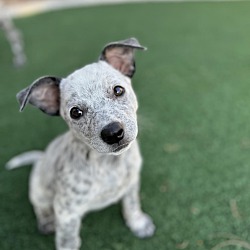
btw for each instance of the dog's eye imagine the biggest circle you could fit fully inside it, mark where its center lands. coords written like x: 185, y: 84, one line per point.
x: 119, y: 91
x: 76, y: 113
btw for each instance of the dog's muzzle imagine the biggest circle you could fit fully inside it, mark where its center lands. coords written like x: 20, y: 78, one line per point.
x: 112, y: 133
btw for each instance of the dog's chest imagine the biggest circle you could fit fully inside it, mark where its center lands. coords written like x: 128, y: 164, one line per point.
x: 111, y: 177
x: 100, y: 181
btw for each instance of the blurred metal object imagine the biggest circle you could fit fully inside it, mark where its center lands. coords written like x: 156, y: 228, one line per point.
x: 13, y: 36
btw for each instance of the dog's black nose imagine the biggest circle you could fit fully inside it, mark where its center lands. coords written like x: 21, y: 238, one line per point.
x: 112, y: 133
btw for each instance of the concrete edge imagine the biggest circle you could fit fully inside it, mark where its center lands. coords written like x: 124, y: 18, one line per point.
x: 32, y: 8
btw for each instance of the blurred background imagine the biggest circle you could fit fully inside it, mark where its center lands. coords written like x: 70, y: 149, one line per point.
x: 193, y: 87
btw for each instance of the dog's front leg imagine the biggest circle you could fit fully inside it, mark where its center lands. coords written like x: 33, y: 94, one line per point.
x: 140, y: 223
x: 68, y: 224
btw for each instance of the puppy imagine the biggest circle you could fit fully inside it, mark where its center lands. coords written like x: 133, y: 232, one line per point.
x: 97, y: 162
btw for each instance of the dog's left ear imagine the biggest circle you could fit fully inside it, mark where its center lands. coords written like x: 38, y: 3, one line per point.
x: 121, y: 55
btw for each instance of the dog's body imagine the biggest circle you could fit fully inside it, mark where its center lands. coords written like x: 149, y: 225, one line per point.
x: 97, y: 162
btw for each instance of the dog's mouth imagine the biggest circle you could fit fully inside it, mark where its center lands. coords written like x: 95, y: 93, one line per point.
x: 121, y: 147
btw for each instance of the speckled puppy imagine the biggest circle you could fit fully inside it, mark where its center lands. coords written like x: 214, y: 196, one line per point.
x: 97, y: 162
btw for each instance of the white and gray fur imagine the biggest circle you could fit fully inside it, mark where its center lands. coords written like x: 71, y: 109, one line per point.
x: 80, y: 171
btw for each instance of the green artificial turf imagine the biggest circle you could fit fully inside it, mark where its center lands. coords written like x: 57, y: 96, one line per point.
x: 193, y: 86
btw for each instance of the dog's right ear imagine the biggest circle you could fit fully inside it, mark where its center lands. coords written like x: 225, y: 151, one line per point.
x: 44, y: 94
x: 120, y: 55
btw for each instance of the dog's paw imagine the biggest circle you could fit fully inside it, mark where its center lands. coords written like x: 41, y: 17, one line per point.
x: 142, y: 226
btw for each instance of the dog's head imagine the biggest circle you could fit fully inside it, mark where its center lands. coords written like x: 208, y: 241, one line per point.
x: 97, y: 101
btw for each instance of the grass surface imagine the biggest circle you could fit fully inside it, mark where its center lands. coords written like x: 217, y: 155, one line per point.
x: 193, y: 86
